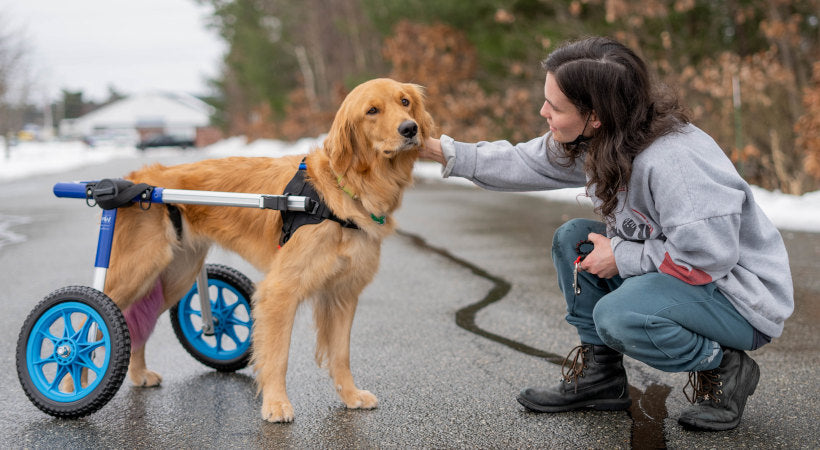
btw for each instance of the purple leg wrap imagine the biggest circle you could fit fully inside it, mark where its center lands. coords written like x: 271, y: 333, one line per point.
x: 142, y: 316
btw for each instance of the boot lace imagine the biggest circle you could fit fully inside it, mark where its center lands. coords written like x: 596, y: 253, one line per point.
x: 571, y: 370
x: 705, y: 385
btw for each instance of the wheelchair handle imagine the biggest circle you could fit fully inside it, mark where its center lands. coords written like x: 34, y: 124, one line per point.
x: 71, y: 190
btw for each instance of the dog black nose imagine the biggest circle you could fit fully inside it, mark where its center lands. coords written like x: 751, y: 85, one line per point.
x: 408, y: 128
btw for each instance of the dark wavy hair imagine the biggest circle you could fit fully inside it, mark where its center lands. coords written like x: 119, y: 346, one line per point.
x: 602, y: 75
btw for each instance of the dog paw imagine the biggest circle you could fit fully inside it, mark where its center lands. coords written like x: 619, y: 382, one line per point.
x: 145, y: 378
x: 360, y: 399
x: 277, y: 411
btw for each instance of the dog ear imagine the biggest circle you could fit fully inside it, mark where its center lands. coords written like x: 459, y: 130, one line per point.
x: 363, y: 154
x: 423, y: 118
x: 348, y: 146
x: 340, y: 143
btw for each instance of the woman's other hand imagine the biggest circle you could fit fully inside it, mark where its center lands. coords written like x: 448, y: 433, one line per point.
x: 601, y: 261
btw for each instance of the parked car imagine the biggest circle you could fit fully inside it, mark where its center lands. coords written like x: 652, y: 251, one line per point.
x: 166, y: 140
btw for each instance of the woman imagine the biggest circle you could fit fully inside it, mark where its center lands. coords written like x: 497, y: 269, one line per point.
x: 685, y: 271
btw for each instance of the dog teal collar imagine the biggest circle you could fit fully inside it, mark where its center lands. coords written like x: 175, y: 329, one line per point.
x: 379, y: 220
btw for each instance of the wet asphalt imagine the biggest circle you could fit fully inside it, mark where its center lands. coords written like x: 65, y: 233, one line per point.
x: 464, y: 312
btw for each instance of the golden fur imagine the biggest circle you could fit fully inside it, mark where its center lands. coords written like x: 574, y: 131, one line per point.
x: 325, y: 262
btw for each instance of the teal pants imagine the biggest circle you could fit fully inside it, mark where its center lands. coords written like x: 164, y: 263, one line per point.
x: 654, y: 318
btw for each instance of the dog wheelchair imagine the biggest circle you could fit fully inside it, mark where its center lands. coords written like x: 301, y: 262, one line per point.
x: 74, y: 347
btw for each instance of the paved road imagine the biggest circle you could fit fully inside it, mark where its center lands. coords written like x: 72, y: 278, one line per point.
x: 463, y: 313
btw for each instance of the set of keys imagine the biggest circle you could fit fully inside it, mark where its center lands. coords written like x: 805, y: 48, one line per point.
x: 575, y: 285
x: 581, y: 250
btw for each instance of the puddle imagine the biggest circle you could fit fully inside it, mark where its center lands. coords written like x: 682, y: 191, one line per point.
x: 648, y: 410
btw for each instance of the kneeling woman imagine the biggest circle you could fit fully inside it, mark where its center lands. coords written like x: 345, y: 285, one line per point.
x: 685, y: 272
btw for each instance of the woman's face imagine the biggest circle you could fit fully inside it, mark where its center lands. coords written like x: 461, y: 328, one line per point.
x: 564, y: 119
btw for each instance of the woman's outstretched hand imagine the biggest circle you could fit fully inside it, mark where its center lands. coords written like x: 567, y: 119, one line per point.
x: 432, y: 150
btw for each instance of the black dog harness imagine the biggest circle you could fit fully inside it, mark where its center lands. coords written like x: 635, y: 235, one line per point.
x: 292, y: 220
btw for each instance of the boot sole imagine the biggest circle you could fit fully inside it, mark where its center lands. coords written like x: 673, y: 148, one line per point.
x: 615, y: 404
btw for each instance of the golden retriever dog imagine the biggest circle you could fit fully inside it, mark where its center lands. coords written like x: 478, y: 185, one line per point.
x: 361, y: 170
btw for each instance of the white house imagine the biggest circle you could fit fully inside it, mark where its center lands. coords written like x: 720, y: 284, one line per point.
x: 141, y: 116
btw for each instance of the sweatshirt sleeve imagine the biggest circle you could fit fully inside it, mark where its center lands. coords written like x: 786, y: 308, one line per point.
x: 501, y: 166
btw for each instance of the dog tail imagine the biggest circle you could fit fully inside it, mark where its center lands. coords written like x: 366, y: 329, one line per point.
x: 142, y: 316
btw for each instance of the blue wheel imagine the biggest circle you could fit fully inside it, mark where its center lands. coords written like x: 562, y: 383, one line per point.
x: 73, y: 351
x: 229, y: 347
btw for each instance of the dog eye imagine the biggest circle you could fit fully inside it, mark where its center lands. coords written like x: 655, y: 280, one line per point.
x: 405, y: 102
x: 373, y: 110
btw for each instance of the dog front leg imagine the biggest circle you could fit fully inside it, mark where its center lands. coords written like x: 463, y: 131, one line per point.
x: 334, y: 320
x: 273, y: 316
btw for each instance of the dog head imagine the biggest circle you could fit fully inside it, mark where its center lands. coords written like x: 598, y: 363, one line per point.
x: 381, y: 118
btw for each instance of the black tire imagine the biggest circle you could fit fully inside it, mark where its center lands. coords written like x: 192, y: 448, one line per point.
x: 40, y: 351
x: 233, y: 328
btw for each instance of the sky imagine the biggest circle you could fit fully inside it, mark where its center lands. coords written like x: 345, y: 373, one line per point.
x: 133, y: 45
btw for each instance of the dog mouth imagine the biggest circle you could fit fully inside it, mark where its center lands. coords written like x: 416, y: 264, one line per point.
x: 409, y: 144
x: 404, y: 145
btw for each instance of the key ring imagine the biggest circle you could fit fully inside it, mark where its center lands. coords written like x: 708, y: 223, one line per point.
x: 584, y: 248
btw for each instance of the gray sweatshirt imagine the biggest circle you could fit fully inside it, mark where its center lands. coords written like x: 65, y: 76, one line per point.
x: 686, y: 213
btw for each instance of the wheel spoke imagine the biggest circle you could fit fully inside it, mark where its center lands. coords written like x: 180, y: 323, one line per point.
x: 86, y: 362
x: 86, y: 348
x: 187, y: 309
x: 58, y: 377
x: 68, y: 330
x: 232, y: 320
x: 232, y: 334
x: 77, y: 377
x: 232, y: 308
x: 218, y: 337
x: 219, y: 303
x: 41, y: 362
x: 47, y: 334
x: 82, y: 335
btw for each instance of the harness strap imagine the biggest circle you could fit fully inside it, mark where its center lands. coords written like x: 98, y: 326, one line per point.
x: 176, y: 218
x: 292, y: 220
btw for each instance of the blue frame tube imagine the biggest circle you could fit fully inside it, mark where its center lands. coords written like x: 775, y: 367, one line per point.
x: 106, y: 239
x: 104, y: 244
